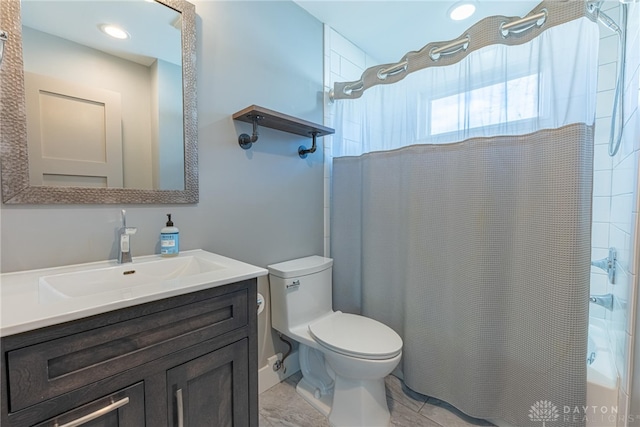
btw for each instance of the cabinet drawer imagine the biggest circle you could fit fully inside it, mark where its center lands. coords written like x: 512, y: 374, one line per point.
x: 46, y: 370
x: 122, y: 408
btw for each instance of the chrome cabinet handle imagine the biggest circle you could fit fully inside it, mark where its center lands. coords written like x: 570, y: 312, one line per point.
x: 180, y: 408
x: 97, y: 414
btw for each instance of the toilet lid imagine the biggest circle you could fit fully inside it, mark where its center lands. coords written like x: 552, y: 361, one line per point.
x: 356, y: 336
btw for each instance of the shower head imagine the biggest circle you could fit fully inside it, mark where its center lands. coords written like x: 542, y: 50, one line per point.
x: 595, y: 7
x: 608, y: 22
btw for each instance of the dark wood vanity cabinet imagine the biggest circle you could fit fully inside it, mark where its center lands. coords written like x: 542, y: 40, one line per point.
x: 207, y: 392
x: 188, y: 360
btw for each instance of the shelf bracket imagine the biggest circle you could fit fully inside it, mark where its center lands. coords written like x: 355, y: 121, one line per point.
x: 274, y: 120
x: 247, y: 141
x: 303, y: 151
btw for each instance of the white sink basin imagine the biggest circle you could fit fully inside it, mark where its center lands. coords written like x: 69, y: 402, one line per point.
x: 123, y: 277
x: 39, y: 298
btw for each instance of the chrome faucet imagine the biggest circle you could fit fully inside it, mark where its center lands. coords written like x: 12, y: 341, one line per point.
x: 605, y: 301
x: 608, y: 264
x: 124, y: 234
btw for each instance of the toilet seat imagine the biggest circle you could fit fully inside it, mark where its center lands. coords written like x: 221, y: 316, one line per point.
x: 356, y: 336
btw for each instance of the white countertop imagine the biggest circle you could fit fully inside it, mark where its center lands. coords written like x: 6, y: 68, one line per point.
x: 24, y: 308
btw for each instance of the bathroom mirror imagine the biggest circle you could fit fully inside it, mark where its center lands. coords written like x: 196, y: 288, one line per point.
x: 86, y: 118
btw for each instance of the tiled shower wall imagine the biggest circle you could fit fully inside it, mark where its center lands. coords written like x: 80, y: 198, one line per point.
x: 616, y: 196
x: 610, y: 222
x: 607, y: 72
x: 623, y: 231
x: 343, y: 62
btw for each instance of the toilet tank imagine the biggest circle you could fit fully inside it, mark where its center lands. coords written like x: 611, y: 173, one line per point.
x: 300, y: 291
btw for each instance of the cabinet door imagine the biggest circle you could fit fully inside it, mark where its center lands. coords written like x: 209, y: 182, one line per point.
x: 211, y: 390
x: 124, y: 408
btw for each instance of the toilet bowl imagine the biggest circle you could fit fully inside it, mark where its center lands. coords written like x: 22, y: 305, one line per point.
x: 343, y: 357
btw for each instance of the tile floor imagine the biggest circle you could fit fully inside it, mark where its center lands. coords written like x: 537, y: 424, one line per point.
x: 281, y: 406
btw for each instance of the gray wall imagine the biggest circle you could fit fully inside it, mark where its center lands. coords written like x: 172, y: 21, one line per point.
x: 260, y: 206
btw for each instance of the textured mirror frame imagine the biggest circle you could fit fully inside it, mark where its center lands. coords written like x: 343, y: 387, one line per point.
x: 16, y: 188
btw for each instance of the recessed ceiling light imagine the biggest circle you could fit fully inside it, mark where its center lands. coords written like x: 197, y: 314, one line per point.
x: 114, y: 31
x: 462, y: 10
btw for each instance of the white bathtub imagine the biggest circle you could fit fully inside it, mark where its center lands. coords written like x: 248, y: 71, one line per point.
x: 602, y: 379
x: 602, y: 383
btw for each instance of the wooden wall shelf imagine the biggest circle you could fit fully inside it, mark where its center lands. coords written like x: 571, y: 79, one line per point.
x: 260, y: 116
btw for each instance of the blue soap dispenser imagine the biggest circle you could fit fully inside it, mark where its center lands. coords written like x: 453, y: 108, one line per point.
x: 169, y: 239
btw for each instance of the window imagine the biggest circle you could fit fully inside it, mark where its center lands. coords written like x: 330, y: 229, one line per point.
x: 510, y: 101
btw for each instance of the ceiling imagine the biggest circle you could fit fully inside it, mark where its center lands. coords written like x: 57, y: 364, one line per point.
x: 152, y: 26
x: 387, y: 29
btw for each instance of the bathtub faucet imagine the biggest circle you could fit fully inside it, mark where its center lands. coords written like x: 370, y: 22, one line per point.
x: 608, y: 264
x: 605, y: 301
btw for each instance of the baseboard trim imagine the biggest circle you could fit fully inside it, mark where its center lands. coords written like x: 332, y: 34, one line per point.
x: 268, y: 378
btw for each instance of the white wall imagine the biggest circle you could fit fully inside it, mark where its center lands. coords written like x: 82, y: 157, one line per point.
x: 615, y: 207
x: 260, y: 206
x: 625, y: 227
x: 613, y: 187
x: 343, y: 62
x: 607, y: 60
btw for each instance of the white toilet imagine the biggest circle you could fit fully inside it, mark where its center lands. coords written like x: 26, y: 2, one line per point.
x: 359, y: 352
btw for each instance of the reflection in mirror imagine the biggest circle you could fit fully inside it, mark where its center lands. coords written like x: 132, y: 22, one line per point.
x: 87, y: 118
x: 103, y: 110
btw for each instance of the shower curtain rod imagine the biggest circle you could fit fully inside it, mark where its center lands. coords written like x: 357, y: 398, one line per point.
x: 511, y: 31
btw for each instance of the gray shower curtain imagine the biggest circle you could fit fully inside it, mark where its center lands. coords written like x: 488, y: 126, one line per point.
x: 478, y: 254
x: 461, y: 214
